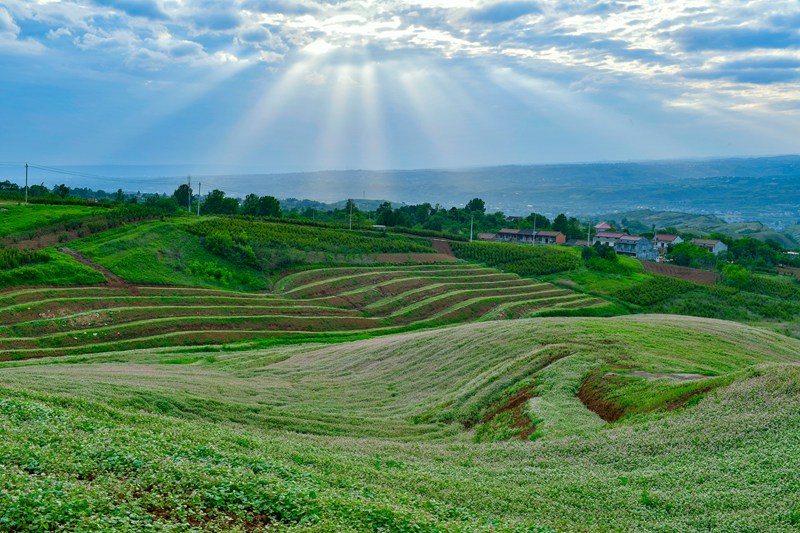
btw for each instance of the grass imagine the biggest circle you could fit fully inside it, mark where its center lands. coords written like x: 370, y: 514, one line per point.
x: 379, y: 434
x: 21, y: 219
x: 57, y: 269
x: 163, y: 253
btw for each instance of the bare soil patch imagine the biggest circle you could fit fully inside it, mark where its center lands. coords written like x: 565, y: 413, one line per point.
x: 680, y: 272
x: 413, y: 258
x: 442, y: 246
x: 655, y: 375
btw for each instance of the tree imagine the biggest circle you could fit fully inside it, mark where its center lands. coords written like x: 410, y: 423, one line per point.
x: 182, y: 195
x: 269, y: 206
x: 735, y: 276
x: 8, y: 186
x: 538, y: 221
x: 120, y: 196
x: 561, y: 223
x: 61, y: 190
x: 476, y: 205
x: 216, y: 203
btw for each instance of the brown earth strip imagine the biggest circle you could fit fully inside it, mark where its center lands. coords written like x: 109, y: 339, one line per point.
x: 442, y: 246
x: 112, y: 279
x: 413, y: 258
x: 680, y: 272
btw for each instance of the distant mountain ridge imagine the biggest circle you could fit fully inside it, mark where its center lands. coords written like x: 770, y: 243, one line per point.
x: 766, y: 189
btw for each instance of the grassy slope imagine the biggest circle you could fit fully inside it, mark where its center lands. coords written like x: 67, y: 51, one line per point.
x: 161, y: 253
x: 120, y: 437
x: 18, y: 219
x: 61, y: 269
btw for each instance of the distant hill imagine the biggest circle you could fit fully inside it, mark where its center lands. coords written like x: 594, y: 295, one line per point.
x: 644, y: 219
x: 766, y: 189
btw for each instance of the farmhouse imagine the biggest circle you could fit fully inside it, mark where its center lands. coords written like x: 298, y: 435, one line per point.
x: 636, y: 246
x: 487, y: 236
x: 603, y: 226
x: 663, y: 242
x: 712, y: 245
x: 528, y: 236
x: 577, y: 242
x: 608, y: 238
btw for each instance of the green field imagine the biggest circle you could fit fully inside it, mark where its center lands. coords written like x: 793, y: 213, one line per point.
x: 19, y: 219
x: 414, y: 432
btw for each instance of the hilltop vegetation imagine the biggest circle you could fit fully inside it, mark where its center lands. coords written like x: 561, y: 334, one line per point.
x: 173, y: 442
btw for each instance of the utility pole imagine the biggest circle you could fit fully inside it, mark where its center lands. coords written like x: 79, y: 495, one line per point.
x: 199, y: 186
x: 189, y: 185
x: 26, y: 183
x: 351, y: 213
x: 534, y: 229
x: 471, y: 222
x: 588, y: 234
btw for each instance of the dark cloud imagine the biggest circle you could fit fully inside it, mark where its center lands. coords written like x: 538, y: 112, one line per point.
x: 697, y: 39
x: 503, y: 12
x: 280, y: 6
x: 759, y: 71
x: 136, y: 8
x: 604, y: 8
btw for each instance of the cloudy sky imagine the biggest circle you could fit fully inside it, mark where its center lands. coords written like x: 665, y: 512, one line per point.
x: 313, y: 84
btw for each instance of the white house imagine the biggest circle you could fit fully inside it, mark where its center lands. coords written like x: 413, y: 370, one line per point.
x: 663, y: 242
x: 712, y: 245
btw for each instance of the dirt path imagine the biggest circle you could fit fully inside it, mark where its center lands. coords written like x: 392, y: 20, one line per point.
x: 112, y: 279
x: 655, y: 375
x: 442, y: 246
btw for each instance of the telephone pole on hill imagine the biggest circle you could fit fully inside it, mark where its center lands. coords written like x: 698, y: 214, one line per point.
x: 351, y: 213
x: 189, y: 203
x: 26, y: 183
x: 199, y: 186
x: 471, y: 222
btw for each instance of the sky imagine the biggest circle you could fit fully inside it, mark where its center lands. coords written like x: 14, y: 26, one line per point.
x: 281, y: 86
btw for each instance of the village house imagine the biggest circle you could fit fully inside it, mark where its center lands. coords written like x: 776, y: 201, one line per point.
x: 577, y: 242
x: 712, y: 245
x: 607, y: 238
x: 663, y: 242
x: 636, y: 246
x: 487, y: 237
x: 603, y: 226
x: 528, y: 236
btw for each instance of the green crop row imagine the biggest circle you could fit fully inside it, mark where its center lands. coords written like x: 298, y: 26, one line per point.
x: 269, y: 235
x: 519, y: 259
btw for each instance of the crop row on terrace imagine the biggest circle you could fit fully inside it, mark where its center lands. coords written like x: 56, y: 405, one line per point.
x: 323, y: 301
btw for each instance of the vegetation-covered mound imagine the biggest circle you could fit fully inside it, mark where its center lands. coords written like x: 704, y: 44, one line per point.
x: 381, y: 434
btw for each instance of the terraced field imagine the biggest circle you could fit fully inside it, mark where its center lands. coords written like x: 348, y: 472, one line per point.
x: 319, y: 303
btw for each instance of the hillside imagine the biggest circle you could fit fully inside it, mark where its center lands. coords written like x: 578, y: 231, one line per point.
x: 643, y: 220
x: 393, y: 433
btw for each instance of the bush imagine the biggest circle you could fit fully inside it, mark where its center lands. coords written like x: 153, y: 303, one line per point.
x: 13, y: 258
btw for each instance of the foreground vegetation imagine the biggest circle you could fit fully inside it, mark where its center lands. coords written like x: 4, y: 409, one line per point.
x: 169, y: 441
